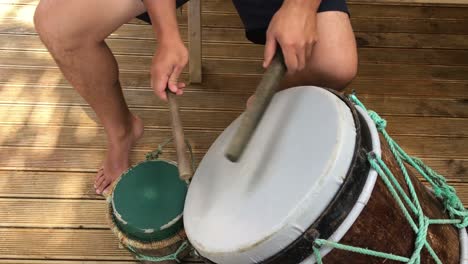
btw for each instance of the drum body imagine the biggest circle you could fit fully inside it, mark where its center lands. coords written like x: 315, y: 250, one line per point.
x: 145, y: 211
x: 303, y: 176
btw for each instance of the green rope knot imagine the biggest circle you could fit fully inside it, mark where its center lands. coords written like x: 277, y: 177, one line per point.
x: 442, y: 190
x: 421, y: 236
x: 154, y: 155
x: 380, y: 123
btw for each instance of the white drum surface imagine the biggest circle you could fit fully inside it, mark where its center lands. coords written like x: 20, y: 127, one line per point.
x: 247, y: 211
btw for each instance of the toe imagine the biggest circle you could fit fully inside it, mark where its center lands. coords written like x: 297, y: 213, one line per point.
x: 99, y: 178
x: 99, y: 183
x: 107, y: 191
x: 104, y: 184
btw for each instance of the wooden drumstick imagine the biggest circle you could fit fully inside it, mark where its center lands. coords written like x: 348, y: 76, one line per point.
x: 185, y: 169
x: 265, y: 90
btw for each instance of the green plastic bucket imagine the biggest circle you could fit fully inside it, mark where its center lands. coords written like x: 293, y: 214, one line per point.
x: 146, y: 208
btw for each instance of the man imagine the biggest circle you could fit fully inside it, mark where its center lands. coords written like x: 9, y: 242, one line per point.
x: 315, y: 36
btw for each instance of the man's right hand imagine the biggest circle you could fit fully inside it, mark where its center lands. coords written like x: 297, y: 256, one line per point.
x: 172, y: 55
x: 168, y: 63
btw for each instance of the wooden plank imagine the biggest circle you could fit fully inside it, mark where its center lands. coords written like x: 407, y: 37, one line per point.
x: 195, y: 38
x: 66, y: 159
x: 440, y: 147
x: 135, y: 46
x: 93, y: 137
x: 32, y: 261
x: 187, y: 260
x: 247, y: 83
x: 409, y: 40
x: 66, y: 96
x: 235, y: 66
x: 81, y: 214
x: 199, y: 119
x: 430, y: 88
x: 409, y: 2
x: 36, y: 184
x: 250, y: 51
x: 134, y: 97
x: 49, y: 137
x: 413, y: 56
x: 405, y: 11
x: 447, y: 25
x: 144, y: 98
x: 410, y: 72
x: 89, y: 159
x: 405, y: 25
x: 129, y: 80
x: 454, y: 170
x: 79, y: 185
x: 84, y: 116
x: 61, y: 244
x: 364, y: 39
x: 202, y: 119
x: 40, y: 213
x: 422, y: 107
x: 427, y: 126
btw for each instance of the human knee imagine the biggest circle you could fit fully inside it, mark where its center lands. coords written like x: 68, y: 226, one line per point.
x: 56, y: 32
x: 340, y: 74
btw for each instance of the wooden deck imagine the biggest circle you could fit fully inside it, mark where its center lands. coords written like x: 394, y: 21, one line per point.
x: 413, y: 70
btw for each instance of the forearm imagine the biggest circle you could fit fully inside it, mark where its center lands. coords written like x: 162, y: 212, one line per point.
x: 164, y: 19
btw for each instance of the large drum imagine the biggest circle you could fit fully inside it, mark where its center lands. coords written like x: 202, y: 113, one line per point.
x: 305, y: 176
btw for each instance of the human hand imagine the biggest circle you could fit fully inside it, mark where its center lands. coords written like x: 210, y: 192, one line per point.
x: 293, y: 27
x: 168, y: 62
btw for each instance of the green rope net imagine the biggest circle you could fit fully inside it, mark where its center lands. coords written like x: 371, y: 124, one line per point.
x: 408, y: 203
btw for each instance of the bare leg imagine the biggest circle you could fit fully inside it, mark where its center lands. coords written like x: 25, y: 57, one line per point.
x: 333, y: 63
x: 74, y: 32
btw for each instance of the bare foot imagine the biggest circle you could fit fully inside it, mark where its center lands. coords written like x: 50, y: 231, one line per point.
x: 117, y: 156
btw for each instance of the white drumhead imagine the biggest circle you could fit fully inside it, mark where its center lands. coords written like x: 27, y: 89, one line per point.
x: 248, y: 211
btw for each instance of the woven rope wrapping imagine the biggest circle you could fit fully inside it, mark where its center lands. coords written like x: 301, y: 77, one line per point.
x: 141, y: 245
x: 446, y: 193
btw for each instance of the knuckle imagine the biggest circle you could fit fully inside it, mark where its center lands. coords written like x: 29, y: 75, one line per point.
x: 300, y: 44
x: 287, y: 43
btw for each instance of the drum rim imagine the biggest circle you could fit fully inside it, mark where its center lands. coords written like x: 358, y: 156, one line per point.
x: 368, y: 187
x: 176, y: 224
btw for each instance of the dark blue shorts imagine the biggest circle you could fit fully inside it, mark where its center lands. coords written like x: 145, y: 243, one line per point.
x: 256, y: 14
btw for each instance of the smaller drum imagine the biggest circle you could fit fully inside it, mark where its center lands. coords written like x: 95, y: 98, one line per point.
x: 145, y: 211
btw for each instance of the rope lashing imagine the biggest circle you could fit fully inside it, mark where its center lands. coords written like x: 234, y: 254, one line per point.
x: 171, y: 257
x: 154, y: 155
x: 442, y: 190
